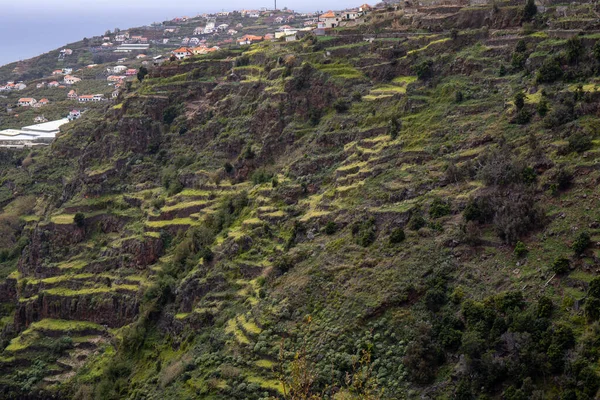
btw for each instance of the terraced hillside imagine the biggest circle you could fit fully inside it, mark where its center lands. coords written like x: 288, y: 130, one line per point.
x: 405, y: 209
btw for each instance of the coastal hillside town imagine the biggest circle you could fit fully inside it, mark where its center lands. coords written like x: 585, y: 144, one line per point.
x: 97, y: 70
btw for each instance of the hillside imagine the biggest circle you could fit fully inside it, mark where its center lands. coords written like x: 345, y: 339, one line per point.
x: 403, y: 209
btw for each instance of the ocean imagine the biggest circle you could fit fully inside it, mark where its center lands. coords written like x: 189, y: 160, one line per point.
x: 32, y: 27
x: 27, y: 34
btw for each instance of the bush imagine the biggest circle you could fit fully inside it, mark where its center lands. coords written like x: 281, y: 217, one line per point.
x: 581, y: 243
x: 439, y: 208
x: 394, y: 127
x: 529, y: 10
x: 523, y: 117
x: 79, y: 219
x: 397, y: 236
x: 330, y: 228
x: 341, y: 106
x: 560, y: 265
x: 580, y: 142
x: 458, y: 97
x: 520, y: 100
x: 261, y: 176
x: 416, y: 222
x: 543, y: 107
x: 170, y: 113
x: 364, y: 232
x: 550, y: 71
x: 520, y: 249
x: 544, y: 308
x: 574, y: 49
x: 424, y: 69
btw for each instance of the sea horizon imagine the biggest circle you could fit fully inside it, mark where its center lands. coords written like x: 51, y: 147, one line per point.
x: 53, y: 28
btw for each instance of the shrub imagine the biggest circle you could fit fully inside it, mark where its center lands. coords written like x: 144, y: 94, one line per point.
x: 596, y: 51
x: 529, y: 10
x: 523, y: 117
x: 341, y: 106
x: 560, y: 265
x: 79, y: 219
x: 397, y: 236
x: 550, y: 71
x: 520, y: 249
x: 592, y: 308
x: 581, y: 243
x: 544, y: 308
x: 364, y: 232
x: 574, y: 49
x: 594, y: 288
x: 543, y: 107
x: 330, y: 228
x: 424, y: 69
x: 261, y: 176
x: 520, y: 100
x: 580, y: 142
x: 560, y: 115
x: 356, y: 96
x: 170, y: 113
x: 394, y: 127
x: 439, y: 208
x: 416, y: 222
x: 458, y: 96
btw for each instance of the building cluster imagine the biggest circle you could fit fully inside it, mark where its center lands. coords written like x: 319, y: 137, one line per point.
x: 33, y: 135
x: 12, y: 86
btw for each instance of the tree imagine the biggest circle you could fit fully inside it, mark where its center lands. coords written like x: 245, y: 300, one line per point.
x: 529, y: 10
x: 574, y: 49
x: 520, y: 100
x: 79, y: 219
x: 142, y: 73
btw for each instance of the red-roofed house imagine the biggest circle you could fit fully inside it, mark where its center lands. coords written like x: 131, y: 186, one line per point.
x: 53, y: 84
x: 71, y: 80
x: 249, y: 39
x: 26, y: 102
x: 57, y: 72
x: 131, y: 72
x: 43, y: 102
x: 72, y: 95
x: 182, y: 52
x: 329, y: 20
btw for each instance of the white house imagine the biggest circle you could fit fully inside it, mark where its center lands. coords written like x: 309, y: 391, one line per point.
x: 67, y: 71
x: 182, y: 52
x: 73, y: 115
x: 26, y: 102
x: 71, y: 80
x: 199, y: 30
x: 117, y: 69
x: 194, y: 41
x: 222, y: 27
x: 329, y: 20
x: 54, y: 84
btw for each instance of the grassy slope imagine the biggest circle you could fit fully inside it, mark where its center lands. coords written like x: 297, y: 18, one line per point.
x: 306, y: 269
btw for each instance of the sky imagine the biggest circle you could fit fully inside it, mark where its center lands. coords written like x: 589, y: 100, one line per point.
x: 45, y: 25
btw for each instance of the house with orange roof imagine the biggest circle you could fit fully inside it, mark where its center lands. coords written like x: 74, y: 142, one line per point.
x: 365, y: 8
x: 53, y: 84
x: 71, y: 80
x: 72, y: 95
x: 131, y: 72
x: 249, y: 39
x: 182, y: 52
x: 43, y: 102
x: 26, y: 102
x: 57, y: 72
x: 329, y: 20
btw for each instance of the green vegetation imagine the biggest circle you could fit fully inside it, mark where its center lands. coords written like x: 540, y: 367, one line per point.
x: 380, y: 213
